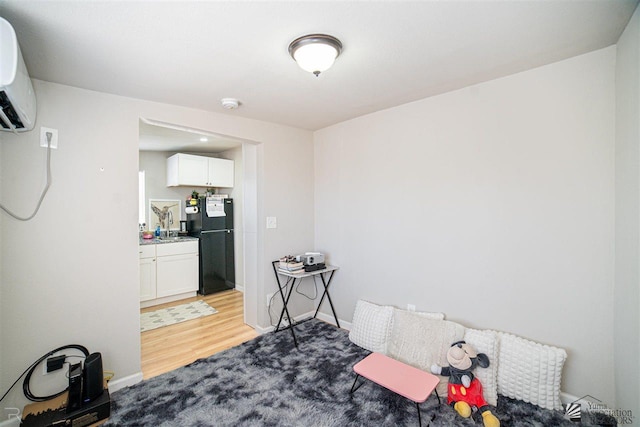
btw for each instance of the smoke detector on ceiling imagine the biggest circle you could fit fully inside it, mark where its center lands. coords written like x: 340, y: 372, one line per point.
x: 229, y: 103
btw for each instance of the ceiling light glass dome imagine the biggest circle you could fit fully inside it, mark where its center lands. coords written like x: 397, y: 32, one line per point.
x: 315, y: 53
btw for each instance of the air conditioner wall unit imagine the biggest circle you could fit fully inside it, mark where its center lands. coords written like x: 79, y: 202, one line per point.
x: 17, y: 98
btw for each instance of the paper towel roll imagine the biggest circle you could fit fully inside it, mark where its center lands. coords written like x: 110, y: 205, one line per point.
x: 191, y: 209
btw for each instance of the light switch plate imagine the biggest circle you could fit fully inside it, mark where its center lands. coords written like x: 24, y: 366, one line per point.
x: 43, y: 137
x: 272, y: 222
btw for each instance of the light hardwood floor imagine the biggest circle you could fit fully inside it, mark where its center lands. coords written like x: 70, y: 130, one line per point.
x: 171, y: 347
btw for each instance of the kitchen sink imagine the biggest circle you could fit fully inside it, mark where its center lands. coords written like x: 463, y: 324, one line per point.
x: 167, y: 239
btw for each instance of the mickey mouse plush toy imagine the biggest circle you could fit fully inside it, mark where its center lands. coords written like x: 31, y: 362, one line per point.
x: 464, y: 390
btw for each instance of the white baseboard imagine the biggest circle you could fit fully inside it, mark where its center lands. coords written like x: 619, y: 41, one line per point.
x: 324, y: 317
x: 262, y: 330
x: 240, y: 288
x: 115, y: 385
x: 330, y: 319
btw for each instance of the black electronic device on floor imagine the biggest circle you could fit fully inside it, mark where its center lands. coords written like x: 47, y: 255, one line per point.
x: 92, y: 378
x: 74, y: 402
x: 86, y: 401
x: 85, y: 383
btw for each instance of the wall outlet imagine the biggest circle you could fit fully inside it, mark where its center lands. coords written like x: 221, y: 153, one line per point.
x: 272, y: 222
x: 43, y: 137
x: 269, y: 297
x: 411, y: 307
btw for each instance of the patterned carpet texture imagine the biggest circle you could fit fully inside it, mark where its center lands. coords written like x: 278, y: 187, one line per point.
x: 268, y: 382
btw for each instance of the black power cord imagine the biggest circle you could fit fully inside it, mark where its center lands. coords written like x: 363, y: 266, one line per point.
x: 29, y: 371
x: 27, y: 379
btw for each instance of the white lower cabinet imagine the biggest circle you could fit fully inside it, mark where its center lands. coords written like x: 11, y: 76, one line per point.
x: 147, y: 279
x: 176, y: 274
x: 168, y: 269
x: 147, y: 272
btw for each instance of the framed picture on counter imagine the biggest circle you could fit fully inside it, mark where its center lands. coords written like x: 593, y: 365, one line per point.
x: 165, y: 213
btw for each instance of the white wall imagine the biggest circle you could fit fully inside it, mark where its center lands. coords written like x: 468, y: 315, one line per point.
x: 154, y: 163
x: 627, y: 285
x: 493, y: 204
x: 71, y: 274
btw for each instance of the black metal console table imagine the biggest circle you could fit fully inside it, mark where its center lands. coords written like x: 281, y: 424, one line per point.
x: 329, y: 271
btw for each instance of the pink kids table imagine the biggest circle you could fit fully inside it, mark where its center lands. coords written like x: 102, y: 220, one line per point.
x: 400, y: 378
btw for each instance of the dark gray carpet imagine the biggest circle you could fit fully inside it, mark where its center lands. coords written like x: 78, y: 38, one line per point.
x: 268, y: 382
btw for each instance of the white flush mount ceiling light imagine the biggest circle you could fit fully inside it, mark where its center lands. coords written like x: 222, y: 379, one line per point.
x: 315, y: 53
x: 229, y: 103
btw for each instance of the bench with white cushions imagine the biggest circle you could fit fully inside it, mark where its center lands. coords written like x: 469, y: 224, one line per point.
x: 520, y: 369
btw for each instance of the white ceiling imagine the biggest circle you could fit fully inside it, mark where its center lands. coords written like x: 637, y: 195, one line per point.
x: 159, y: 136
x: 193, y: 53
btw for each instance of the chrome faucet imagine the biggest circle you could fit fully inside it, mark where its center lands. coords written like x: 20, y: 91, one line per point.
x: 169, y: 222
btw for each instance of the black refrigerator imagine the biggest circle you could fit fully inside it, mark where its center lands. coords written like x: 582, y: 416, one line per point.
x: 217, y: 264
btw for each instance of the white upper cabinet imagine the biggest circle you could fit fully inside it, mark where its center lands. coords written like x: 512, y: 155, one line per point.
x: 220, y: 172
x: 186, y: 169
x: 199, y: 171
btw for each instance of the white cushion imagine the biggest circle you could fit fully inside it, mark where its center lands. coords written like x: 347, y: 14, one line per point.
x: 530, y: 371
x: 486, y: 342
x: 420, y: 341
x: 427, y: 314
x: 371, y: 326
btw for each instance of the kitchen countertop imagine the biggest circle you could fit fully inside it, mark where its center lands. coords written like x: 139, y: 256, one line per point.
x: 160, y: 241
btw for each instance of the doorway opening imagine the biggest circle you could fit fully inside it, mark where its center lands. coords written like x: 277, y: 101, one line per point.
x: 236, y: 314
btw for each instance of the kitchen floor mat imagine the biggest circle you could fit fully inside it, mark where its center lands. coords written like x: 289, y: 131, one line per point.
x: 172, y: 315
